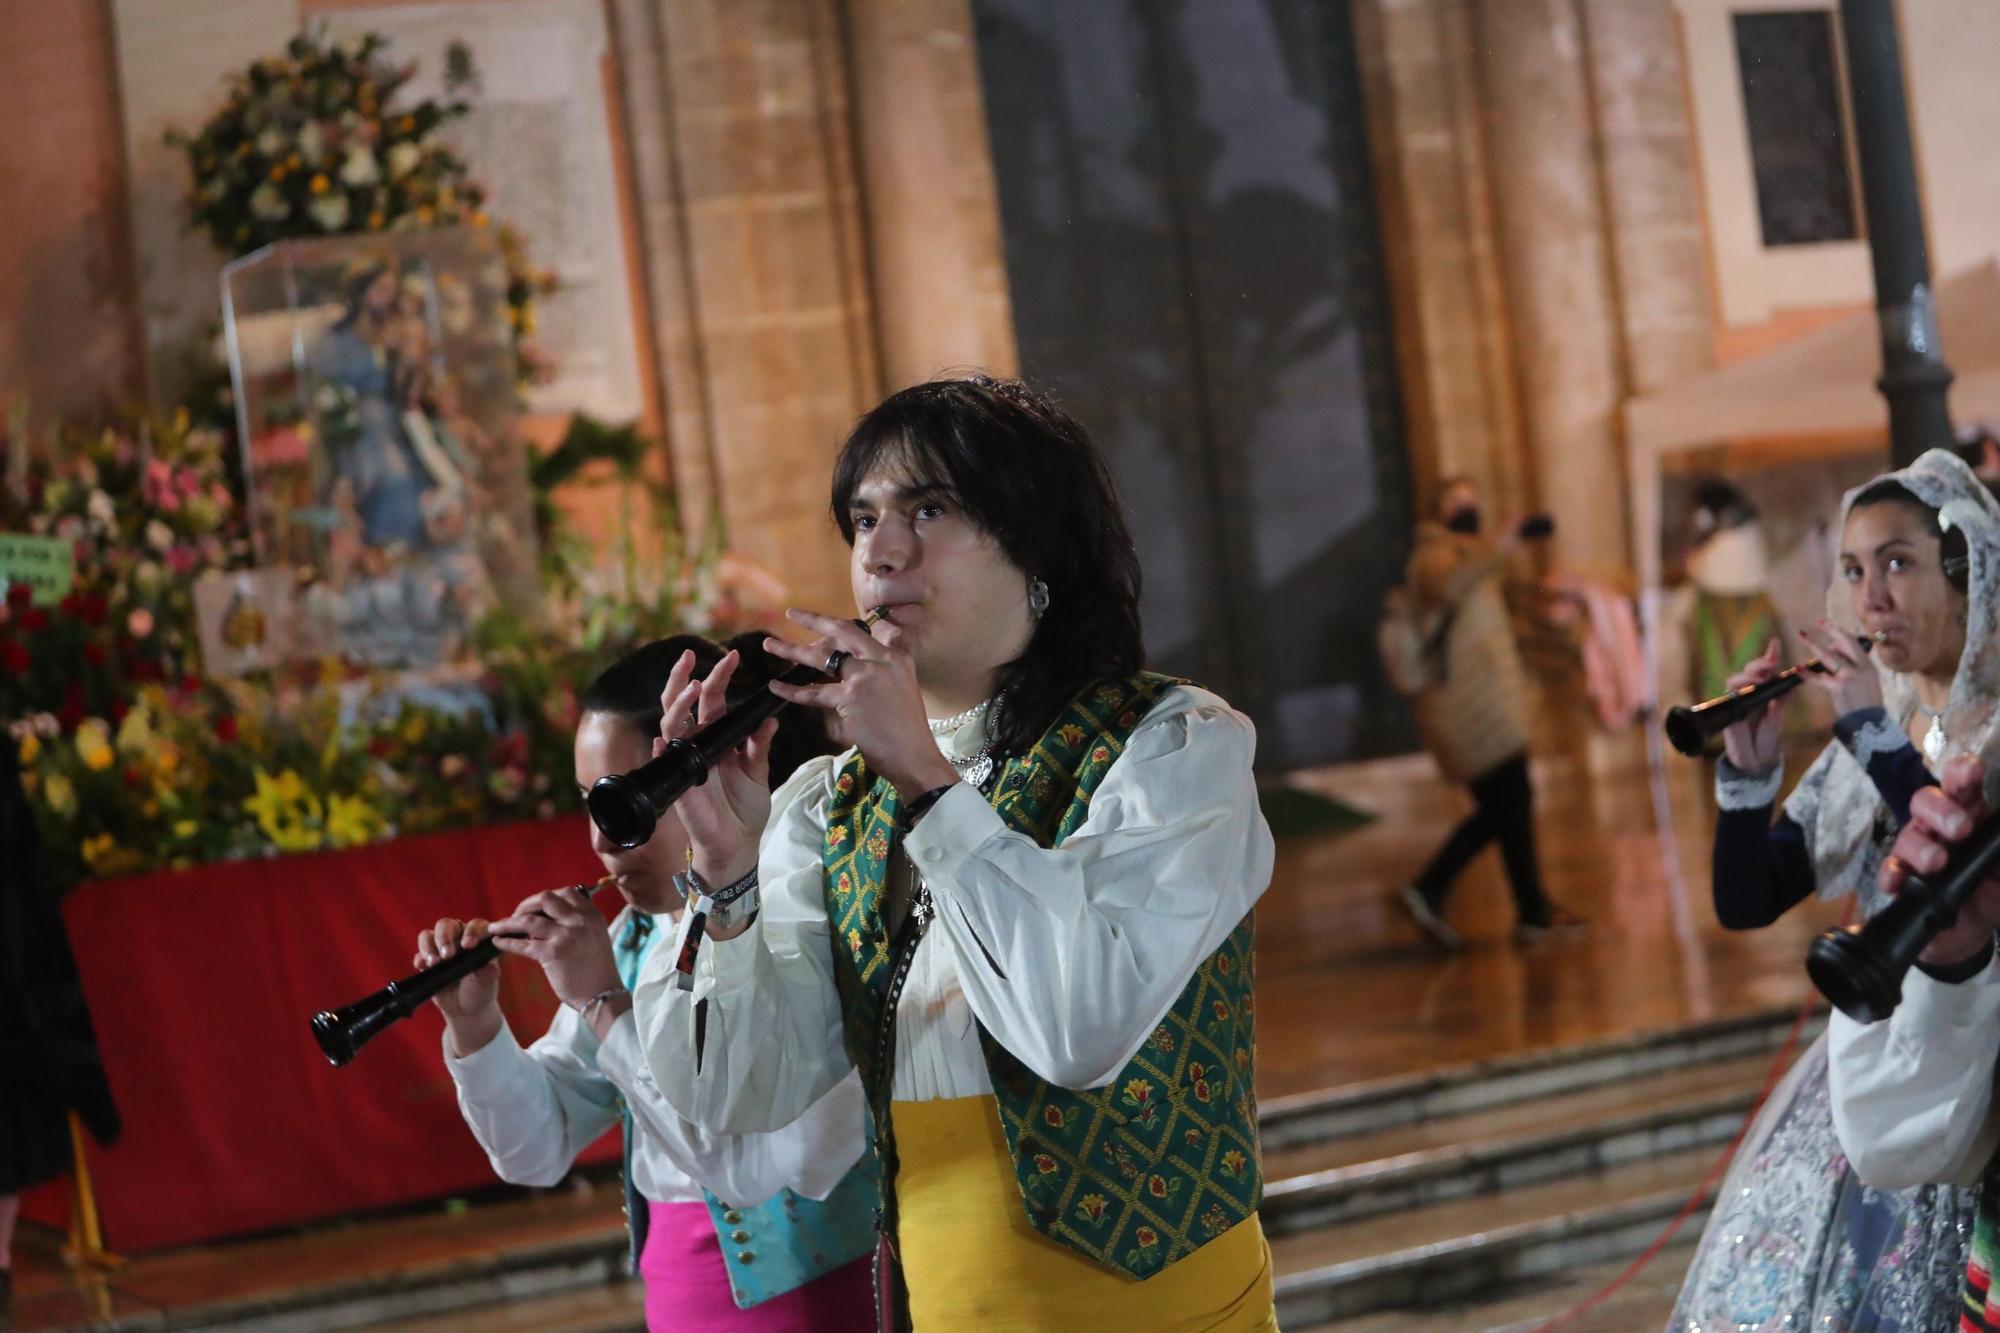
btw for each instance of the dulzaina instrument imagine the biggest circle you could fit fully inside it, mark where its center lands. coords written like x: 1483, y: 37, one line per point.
x: 1689, y: 730
x: 343, y: 1031
x: 1861, y: 968
x: 627, y: 806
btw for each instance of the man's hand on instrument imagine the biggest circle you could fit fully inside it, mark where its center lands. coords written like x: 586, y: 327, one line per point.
x: 874, y: 703
x: 1753, y: 745
x: 1941, y: 817
x: 471, y: 1008
x: 724, y: 816
x: 564, y: 933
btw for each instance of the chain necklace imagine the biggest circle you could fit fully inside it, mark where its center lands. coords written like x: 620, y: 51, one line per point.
x: 949, y: 726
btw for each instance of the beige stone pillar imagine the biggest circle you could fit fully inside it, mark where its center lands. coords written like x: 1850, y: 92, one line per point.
x: 1650, y: 189
x: 762, y: 303
x: 1448, y: 314
x: 1557, y: 269
x: 939, y: 276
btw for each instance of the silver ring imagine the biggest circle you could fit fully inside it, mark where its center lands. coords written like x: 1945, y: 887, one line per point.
x: 835, y: 660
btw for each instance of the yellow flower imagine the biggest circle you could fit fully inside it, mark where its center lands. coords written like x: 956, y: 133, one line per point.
x: 414, y: 729
x: 352, y: 822
x: 289, y: 814
x: 103, y: 855
x: 59, y: 795
x: 30, y: 749
x: 93, y: 745
x: 186, y: 828
x: 320, y: 183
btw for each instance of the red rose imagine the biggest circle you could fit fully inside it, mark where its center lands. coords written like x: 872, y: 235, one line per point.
x: 225, y: 729
x: 133, y: 777
x: 14, y: 657
x: 19, y: 595
x: 95, y: 608
x: 71, y: 605
x: 70, y: 711
x: 93, y: 653
x: 33, y: 619
x: 190, y: 684
x: 380, y: 747
x: 119, y: 708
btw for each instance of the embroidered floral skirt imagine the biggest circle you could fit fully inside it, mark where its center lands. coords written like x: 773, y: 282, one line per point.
x: 1796, y: 1241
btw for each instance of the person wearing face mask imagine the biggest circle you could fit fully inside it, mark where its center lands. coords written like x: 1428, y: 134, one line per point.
x: 1473, y: 713
x: 764, y: 1231
x: 1020, y: 904
x: 1824, y: 1250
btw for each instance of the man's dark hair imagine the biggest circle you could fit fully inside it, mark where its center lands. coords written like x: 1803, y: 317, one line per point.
x: 1026, y: 473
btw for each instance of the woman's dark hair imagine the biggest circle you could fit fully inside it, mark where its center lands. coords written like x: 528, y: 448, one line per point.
x: 629, y: 690
x: 1026, y: 473
x: 1952, y: 552
x: 357, y: 292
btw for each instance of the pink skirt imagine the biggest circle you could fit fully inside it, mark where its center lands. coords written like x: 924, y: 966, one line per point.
x: 687, y: 1285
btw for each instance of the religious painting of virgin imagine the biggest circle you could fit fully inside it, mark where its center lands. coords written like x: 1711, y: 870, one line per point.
x: 376, y: 395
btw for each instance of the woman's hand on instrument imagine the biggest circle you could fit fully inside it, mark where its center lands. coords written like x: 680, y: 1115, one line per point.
x: 1850, y: 679
x: 1940, y: 818
x: 471, y: 1007
x: 564, y: 933
x: 1753, y: 745
x: 875, y: 703
x: 724, y: 816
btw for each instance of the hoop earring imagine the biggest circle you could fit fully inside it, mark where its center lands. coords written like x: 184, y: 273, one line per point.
x: 1038, y: 598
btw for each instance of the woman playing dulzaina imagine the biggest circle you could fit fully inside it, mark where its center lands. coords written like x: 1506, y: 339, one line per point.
x: 1796, y: 1240
x: 1019, y: 904
x: 755, y: 1233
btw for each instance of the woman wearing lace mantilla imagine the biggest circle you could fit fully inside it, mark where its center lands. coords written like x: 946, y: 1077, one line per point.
x: 1796, y: 1240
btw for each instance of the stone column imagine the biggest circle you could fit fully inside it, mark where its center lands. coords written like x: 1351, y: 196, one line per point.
x: 1428, y: 153
x: 1650, y: 189
x: 933, y: 212
x: 765, y: 323
x: 1557, y: 269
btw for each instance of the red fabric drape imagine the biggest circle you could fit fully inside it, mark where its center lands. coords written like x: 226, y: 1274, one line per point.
x: 201, y: 983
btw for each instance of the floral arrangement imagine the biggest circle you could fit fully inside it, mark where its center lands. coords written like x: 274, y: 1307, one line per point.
x: 316, y: 143
x: 134, y: 760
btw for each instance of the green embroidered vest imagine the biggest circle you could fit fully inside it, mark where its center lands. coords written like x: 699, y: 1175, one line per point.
x: 1149, y: 1168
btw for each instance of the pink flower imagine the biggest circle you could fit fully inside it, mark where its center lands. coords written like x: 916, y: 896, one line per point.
x: 140, y: 623
x: 188, y: 482
x: 181, y: 559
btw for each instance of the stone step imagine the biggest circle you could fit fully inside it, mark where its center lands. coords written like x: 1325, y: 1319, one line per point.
x: 1443, y: 1253
x: 1362, y: 1108
x: 1484, y: 1152
x: 615, y: 1307
x: 1644, y: 1303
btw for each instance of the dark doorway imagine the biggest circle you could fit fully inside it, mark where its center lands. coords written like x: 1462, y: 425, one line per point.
x: 1192, y: 251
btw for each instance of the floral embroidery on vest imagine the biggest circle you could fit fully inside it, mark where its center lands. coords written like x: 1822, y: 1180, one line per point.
x: 1139, y: 1173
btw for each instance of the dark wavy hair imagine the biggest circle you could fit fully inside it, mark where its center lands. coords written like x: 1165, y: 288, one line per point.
x: 1953, y: 556
x: 1026, y: 473
x: 629, y: 690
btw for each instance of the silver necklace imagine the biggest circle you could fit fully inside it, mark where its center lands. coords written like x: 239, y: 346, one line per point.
x: 1934, y: 737
x: 948, y: 726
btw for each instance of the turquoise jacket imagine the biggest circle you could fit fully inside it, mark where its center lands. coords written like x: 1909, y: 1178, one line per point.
x: 784, y: 1242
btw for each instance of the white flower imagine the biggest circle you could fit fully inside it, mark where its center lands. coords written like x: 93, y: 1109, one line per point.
x: 360, y: 168
x: 46, y: 725
x: 312, y: 143
x: 403, y: 159
x: 159, y: 536
x: 330, y: 211
x: 267, y: 203
x: 271, y: 143
x: 100, y: 507
x: 353, y: 47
